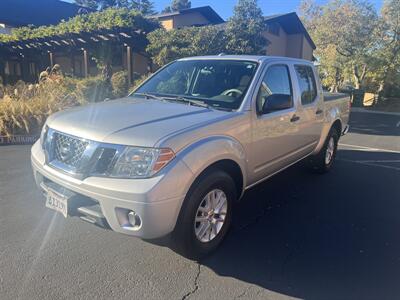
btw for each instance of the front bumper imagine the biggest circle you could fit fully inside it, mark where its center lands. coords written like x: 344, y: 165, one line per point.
x: 157, y: 201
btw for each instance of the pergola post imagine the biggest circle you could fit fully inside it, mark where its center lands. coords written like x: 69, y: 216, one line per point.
x: 72, y: 57
x: 129, y: 63
x: 51, y: 59
x: 85, y: 63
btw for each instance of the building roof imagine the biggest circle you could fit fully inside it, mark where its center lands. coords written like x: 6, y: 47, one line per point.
x: 292, y: 24
x: 206, y: 11
x: 36, y: 12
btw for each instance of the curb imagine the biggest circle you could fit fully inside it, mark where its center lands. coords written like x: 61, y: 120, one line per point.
x: 363, y: 110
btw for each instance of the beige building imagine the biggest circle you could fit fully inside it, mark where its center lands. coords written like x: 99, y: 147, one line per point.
x: 25, y: 59
x: 286, y: 34
x: 288, y: 37
x: 198, y: 16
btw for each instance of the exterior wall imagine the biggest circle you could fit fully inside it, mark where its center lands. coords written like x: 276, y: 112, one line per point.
x: 185, y: 20
x: 294, y: 46
x: 278, y: 43
x: 307, y: 50
x: 140, y: 63
x: 191, y: 19
x: 168, y: 24
x: 289, y: 45
x: 65, y: 63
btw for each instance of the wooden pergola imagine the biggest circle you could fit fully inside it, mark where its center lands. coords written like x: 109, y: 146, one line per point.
x: 41, y: 51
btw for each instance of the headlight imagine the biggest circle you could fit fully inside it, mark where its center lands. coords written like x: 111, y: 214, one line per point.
x: 135, y: 162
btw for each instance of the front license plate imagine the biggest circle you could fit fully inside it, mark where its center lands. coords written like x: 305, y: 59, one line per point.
x: 57, y: 202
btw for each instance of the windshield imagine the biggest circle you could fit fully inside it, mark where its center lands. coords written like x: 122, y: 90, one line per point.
x: 218, y: 83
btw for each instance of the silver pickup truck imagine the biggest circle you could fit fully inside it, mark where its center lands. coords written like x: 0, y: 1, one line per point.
x: 174, y: 156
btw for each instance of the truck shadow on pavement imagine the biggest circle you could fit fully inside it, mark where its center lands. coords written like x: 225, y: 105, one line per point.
x: 334, y: 236
x: 374, y: 124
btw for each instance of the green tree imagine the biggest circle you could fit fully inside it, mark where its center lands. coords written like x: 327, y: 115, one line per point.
x: 166, y: 46
x: 345, y: 34
x: 244, y: 29
x: 178, y: 5
x: 387, y: 54
x: 144, y: 6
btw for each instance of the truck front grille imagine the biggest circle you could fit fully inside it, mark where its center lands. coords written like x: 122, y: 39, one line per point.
x: 69, y: 150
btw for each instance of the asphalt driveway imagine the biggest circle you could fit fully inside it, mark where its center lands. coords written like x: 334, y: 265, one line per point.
x: 297, y: 235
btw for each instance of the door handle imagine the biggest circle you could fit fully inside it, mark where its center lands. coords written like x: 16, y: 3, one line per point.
x: 319, y: 111
x: 294, y: 118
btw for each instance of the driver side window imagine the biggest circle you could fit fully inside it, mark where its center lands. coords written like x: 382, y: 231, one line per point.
x: 277, y: 82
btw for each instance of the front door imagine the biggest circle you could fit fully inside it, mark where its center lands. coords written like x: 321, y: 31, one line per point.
x: 274, y: 134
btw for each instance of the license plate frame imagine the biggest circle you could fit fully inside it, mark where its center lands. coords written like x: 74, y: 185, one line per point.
x: 57, y: 202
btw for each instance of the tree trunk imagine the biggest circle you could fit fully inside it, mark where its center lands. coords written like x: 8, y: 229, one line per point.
x: 359, y: 78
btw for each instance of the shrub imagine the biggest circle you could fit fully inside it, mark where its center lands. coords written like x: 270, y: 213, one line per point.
x: 119, y: 82
x: 92, y: 89
x: 25, y: 115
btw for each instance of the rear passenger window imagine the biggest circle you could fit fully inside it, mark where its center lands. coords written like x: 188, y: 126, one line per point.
x: 308, y: 87
x: 276, y: 81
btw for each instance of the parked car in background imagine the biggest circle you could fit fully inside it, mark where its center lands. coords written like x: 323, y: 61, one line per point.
x: 174, y: 156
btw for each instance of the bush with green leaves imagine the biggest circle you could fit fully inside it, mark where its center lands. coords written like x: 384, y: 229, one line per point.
x: 92, y: 89
x: 119, y: 83
x: 242, y: 34
x: 166, y: 46
x: 107, y: 19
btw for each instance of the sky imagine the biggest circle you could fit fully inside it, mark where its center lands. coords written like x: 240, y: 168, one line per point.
x: 269, y: 7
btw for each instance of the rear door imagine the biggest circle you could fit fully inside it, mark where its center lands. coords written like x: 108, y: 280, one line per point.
x: 311, y: 106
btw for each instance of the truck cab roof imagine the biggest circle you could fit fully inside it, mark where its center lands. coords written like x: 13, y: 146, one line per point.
x: 257, y: 58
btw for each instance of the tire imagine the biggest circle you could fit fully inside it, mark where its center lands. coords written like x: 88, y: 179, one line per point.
x: 324, y: 160
x: 186, y: 236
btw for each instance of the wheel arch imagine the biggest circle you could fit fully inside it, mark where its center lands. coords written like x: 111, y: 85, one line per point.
x: 336, y: 124
x: 228, y: 155
x: 232, y: 168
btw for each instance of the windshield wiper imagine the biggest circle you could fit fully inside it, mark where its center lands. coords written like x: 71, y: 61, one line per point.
x: 189, y: 101
x: 150, y: 96
x: 176, y: 98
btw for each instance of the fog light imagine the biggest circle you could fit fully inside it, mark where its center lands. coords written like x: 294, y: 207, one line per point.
x: 134, y: 219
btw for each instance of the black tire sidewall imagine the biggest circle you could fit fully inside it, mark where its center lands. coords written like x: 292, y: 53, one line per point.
x: 317, y: 162
x: 184, y: 234
x: 333, y: 134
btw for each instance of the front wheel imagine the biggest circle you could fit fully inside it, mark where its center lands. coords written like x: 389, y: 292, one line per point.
x: 323, y: 161
x: 205, y: 215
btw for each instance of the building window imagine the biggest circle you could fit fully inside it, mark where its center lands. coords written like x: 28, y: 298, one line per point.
x: 273, y: 28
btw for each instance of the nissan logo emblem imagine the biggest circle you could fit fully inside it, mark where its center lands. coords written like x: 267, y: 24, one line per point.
x: 66, y: 151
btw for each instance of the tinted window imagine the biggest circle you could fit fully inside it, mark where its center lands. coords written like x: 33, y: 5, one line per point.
x: 276, y: 81
x: 219, y: 83
x: 308, y: 87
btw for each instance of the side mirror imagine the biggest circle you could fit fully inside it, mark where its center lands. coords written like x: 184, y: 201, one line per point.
x: 277, y: 102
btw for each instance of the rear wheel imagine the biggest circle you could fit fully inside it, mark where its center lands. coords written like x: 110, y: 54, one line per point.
x: 206, y: 215
x: 323, y: 161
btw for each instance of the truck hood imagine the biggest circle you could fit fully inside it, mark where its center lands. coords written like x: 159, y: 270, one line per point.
x: 131, y: 121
